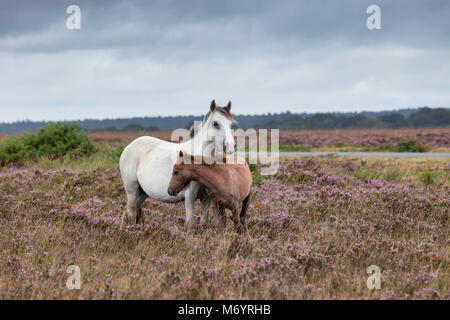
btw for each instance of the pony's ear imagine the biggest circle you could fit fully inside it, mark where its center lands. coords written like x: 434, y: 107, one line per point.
x: 180, y: 154
x: 213, y: 105
x: 228, y: 107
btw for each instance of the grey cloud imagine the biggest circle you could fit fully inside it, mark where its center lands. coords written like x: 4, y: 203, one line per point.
x: 222, y: 24
x: 266, y: 55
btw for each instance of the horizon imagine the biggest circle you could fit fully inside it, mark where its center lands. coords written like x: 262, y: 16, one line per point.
x: 234, y: 114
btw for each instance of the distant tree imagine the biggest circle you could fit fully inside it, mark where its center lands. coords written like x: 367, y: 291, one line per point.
x: 133, y: 127
x: 423, y: 117
x: 153, y: 128
x: 427, y: 117
x: 394, y: 120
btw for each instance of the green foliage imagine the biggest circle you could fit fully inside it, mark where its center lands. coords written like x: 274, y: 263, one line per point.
x: 366, y: 173
x: 112, y: 154
x: 293, y: 148
x: 254, y: 168
x: 133, y: 127
x: 427, y: 117
x: 428, y: 177
x: 393, y: 175
x: 405, y: 146
x: 410, y: 146
x: 394, y: 120
x: 58, y: 140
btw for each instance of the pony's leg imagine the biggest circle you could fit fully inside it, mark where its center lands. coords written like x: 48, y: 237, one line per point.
x: 243, y: 213
x: 130, y: 212
x: 189, y: 201
x: 204, y: 208
x: 135, y: 198
x: 140, y: 200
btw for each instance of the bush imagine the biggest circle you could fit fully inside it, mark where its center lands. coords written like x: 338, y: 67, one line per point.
x: 112, y: 154
x: 410, y: 146
x: 257, y: 178
x: 366, y: 173
x: 427, y: 177
x: 52, y: 141
x: 393, y: 174
x: 293, y: 148
x: 405, y: 146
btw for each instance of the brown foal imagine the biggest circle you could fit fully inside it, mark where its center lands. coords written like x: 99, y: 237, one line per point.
x: 227, y: 184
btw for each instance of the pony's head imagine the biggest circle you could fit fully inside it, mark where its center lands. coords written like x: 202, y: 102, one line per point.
x: 181, y: 176
x: 217, y: 124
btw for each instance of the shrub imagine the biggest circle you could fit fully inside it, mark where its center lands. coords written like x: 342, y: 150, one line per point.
x: 293, y: 148
x: 12, y: 151
x: 393, y: 174
x: 112, y: 154
x: 410, y: 146
x: 52, y: 141
x: 254, y: 168
x: 366, y: 173
x: 428, y: 177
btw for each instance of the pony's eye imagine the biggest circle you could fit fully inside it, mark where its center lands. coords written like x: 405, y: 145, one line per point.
x: 216, y: 124
x: 175, y: 173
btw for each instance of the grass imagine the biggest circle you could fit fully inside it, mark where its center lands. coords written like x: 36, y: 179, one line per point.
x: 294, y: 148
x: 428, y: 177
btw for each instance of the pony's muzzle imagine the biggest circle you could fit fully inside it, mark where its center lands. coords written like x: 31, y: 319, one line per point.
x: 228, y: 147
x: 171, y: 192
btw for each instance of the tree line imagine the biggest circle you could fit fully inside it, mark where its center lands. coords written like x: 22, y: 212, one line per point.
x: 421, y: 117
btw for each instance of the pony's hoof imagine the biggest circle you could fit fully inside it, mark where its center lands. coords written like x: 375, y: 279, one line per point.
x: 123, y: 221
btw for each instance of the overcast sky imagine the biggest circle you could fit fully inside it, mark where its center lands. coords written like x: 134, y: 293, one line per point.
x: 146, y: 58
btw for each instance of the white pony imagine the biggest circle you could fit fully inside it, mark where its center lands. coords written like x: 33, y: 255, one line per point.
x: 146, y: 165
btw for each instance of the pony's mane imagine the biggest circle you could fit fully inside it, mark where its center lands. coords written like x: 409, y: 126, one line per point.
x: 223, y: 111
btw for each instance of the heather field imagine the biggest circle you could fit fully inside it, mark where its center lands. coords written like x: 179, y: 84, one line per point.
x: 431, y: 139
x: 314, y: 228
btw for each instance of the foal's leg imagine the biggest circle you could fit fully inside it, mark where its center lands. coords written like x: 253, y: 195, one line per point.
x: 219, y: 215
x: 204, y: 208
x: 236, y: 210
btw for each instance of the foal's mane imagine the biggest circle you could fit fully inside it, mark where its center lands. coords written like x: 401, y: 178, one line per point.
x: 211, y: 159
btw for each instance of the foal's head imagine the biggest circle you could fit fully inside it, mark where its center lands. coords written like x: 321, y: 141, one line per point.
x: 218, y: 123
x: 181, y: 176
